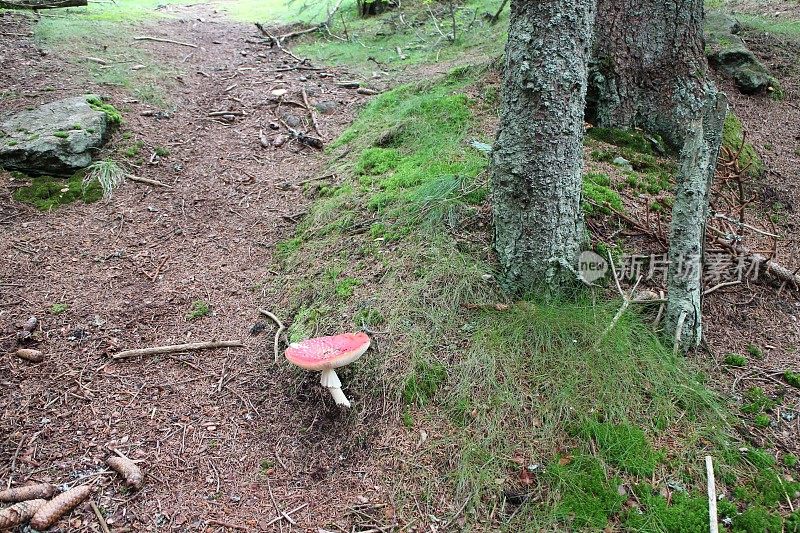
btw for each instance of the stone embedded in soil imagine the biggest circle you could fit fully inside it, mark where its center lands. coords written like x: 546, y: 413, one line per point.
x: 58, y: 138
x: 326, y: 107
x: 728, y: 54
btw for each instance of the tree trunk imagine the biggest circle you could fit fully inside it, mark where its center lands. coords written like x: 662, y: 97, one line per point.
x: 538, y: 154
x: 683, y: 321
x: 368, y: 8
x: 40, y: 4
x: 649, y: 71
x: 648, y: 67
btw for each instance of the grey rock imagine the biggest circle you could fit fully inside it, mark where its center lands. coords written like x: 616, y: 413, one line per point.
x: 728, y: 54
x: 622, y: 163
x: 28, y: 143
x: 293, y: 121
x: 326, y: 107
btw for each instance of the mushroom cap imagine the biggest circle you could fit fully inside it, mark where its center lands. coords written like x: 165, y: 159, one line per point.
x: 323, y: 353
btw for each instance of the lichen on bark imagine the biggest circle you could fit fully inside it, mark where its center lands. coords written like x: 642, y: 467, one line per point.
x: 537, y: 158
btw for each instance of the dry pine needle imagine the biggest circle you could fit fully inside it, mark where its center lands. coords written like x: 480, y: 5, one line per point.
x: 49, y: 513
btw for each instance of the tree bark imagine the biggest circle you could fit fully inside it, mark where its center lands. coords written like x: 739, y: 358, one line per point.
x: 683, y: 320
x: 538, y: 154
x: 648, y: 67
x: 40, y: 4
x: 649, y: 71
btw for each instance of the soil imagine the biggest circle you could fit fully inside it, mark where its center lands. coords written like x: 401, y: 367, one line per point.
x: 222, y: 436
x: 762, y: 317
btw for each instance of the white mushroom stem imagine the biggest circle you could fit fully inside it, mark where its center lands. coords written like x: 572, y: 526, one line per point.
x: 330, y: 380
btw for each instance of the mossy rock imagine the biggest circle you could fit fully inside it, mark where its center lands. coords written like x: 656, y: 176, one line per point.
x: 728, y: 54
x: 45, y: 141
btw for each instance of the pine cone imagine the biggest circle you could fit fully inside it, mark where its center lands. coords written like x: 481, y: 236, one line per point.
x: 128, y: 470
x: 19, y: 513
x: 49, y: 513
x: 27, y: 492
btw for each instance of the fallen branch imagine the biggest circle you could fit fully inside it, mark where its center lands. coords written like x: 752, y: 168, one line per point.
x: 281, y: 327
x: 159, y: 40
x: 314, y: 142
x: 277, y: 42
x: 47, y: 4
x: 148, y: 181
x: 175, y: 348
x: 223, y: 113
x: 321, y: 26
x: 311, y: 112
x: 777, y: 271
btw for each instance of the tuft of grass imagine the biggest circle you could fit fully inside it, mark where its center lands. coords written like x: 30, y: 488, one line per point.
x: 58, y: 308
x: 735, y: 359
x: 108, y: 174
x: 161, y: 151
x: 199, y: 309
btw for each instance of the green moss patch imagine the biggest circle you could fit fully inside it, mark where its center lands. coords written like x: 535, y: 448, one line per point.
x: 114, y: 116
x: 733, y: 139
x: 622, y: 445
x: 47, y: 193
x: 630, y: 139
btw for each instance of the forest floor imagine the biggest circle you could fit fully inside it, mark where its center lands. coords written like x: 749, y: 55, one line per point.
x: 227, y: 442
x: 223, y: 436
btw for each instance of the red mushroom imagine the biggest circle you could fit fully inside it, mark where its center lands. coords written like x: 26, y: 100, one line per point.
x: 327, y: 353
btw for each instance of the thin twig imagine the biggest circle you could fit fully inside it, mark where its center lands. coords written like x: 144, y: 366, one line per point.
x: 281, y: 327
x: 147, y: 181
x: 175, y: 348
x: 100, y: 519
x: 157, y: 39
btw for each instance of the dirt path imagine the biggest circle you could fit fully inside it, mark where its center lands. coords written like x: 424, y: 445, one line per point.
x: 222, y: 436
